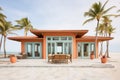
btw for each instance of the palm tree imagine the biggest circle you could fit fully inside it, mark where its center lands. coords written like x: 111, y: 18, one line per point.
x: 95, y: 13
x: 25, y: 24
x: 4, y: 31
x: 2, y: 22
x: 110, y: 30
x: 106, y: 30
x: 101, y: 29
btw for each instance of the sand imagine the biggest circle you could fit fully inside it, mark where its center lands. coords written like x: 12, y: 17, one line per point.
x: 79, y: 69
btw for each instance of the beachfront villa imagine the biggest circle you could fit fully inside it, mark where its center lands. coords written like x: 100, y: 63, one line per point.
x: 45, y: 42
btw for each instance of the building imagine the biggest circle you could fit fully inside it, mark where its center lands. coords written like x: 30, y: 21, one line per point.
x: 46, y: 42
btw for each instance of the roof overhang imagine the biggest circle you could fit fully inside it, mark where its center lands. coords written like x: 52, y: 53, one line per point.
x: 50, y: 32
x: 23, y: 38
x: 92, y: 38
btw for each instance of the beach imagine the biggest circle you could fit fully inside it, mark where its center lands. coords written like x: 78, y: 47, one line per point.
x: 79, y: 69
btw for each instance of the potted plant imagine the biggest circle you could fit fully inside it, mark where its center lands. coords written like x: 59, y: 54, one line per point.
x: 13, y: 58
x: 92, y: 56
x: 104, y: 59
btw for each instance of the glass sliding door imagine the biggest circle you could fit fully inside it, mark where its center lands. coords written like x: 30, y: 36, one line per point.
x: 59, y: 48
x: 33, y: 50
x: 59, y: 45
x: 65, y: 48
x: 37, y: 49
x: 29, y: 50
x: 53, y: 48
x: 79, y: 50
x: 49, y: 48
x: 85, y: 48
x: 69, y: 48
x: 92, y: 47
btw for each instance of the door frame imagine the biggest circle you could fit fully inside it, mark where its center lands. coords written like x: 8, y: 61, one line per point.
x: 33, y: 50
x: 82, y: 49
x: 58, y: 41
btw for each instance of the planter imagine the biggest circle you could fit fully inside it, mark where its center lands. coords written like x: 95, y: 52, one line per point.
x: 104, y: 59
x: 92, y: 56
x: 13, y: 58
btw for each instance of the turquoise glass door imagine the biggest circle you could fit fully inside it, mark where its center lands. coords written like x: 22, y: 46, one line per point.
x: 58, y: 45
x: 59, y: 48
x: 84, y: 49
x: 79, y: 50
x: 33, y: 50
x: 37, y: 50
x: 29, y: 50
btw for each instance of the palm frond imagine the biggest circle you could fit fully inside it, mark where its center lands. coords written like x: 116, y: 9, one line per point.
x: 2, y: 15
x: 104, y: 5
x: 10, y: 32
x: 108, y: 9
x: 88, y: 20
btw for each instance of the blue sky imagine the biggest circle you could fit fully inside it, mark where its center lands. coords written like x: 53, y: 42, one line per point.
x: 57, y: 14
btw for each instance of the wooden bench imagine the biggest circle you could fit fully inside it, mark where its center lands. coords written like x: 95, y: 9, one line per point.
x: 59, y: 58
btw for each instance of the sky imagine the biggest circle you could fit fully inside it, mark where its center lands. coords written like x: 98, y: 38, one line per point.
x: 57, y: 15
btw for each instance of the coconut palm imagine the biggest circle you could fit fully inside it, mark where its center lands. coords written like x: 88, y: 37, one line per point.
x: 96, y: 12
x: 2, y: 22
x: 101, y: 29
x: 106, y: 30
x: 107, y: 25
x: 4, y: 31
x: 110, y: 30
x: 25, y: 24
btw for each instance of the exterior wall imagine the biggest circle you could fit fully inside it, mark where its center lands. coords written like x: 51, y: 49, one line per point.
x: 74, y: 48
x: 22, y: 48
x: 72, y: 33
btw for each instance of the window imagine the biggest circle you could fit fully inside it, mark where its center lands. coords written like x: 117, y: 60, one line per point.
x: 63, y: 38
x: 69, y: 38
x: 48, y: 38
x: 55, y: 38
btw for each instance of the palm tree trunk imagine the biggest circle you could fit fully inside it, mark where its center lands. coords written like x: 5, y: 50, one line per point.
x: 101, y: 50
x: 107, y: 50
x: 4, y: 46
x: 96, y: 34
x: 1, y: 41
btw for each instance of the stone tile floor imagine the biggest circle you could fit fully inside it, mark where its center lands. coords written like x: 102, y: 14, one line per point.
x: 40, y: 69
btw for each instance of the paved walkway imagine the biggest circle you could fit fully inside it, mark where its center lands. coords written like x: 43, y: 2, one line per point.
x: 85, y: 63
x: 40, y: 69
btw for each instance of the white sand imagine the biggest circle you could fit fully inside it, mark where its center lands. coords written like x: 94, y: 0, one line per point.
x: 79, y: 69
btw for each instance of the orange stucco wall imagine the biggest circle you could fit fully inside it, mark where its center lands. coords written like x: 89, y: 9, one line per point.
x: 74, y: 48
x: 44, y: 48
